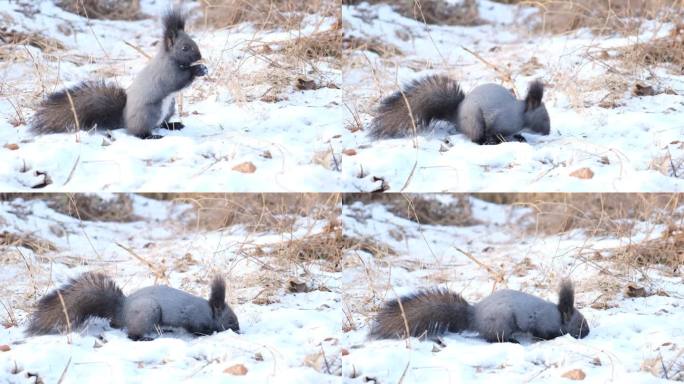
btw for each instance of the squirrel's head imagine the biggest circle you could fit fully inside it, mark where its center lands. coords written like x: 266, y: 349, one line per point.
x: 572, y: 321
x: 224, y: 317
x: 536, y: 117
x: 178, y: 44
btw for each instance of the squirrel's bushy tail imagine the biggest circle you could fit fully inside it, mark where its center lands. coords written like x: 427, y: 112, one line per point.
x: 91, y: 294
x: 432, y: 97
x: 425, y: 313
x: 81, y: 106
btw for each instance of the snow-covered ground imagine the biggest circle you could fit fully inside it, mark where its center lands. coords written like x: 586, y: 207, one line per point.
x: 633, y: 144
x: 248, y: 109
x: 629, y: 337
x: 284, y: 337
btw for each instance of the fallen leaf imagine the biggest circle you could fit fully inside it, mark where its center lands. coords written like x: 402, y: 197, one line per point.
x: 266, y: 154
x: 12, y: 147
x: 305, y: 85
x: 344, y: 352
x: 236, y: 370
x: 349, y: 152
x: 583, y: 173
x: 246, y: 167
x: 643, y: 90
x: 297, y: 287
x: 633, y: 291
x: 4, y: 348
x: 575, y: 374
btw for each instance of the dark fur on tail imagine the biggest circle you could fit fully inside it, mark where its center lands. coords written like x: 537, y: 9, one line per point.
x: 566, y: 298
x: 94, y: 103
x: 91, y: 294
x: 426, y: 313
x: 217, y: 297
x: 432, y: 97
x: 535, y: 93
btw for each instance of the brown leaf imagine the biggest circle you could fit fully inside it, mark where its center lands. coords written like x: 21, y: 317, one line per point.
x: 297, y: 287
x: 349, y: 152
x: 12, y: 146
x: 583, y: 173
x: 344, y: 352
x: 266, y: 154
x: 271, y: 99
x: 305, y: 85
x: 4, y: 348
x: 236, y: 370
x: 246, y: 167
x: 575, y: 374
x: 643, y: 90
x: 633, y: 291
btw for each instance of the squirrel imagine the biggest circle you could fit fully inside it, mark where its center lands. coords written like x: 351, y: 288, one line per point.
x: 147, y: 104
x: 489, y: 114
x: 141, y: 313
x: 500, y: 317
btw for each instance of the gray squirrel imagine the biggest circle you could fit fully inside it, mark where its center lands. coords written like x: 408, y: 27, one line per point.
x: 147, y: 104
x: 500, y: 317
x: 489, y: 114
x: 141, y: 313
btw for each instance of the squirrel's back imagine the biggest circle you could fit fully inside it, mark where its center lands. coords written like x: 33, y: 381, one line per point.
x: 178, y: 308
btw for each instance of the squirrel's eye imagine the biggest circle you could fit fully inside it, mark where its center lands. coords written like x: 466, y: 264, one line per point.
x: 185, y: 48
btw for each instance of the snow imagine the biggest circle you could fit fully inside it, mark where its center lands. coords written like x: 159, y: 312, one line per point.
x: 626, y: 336
x: 631, y: 147
x: 226, y: 124
x: 291, y: 339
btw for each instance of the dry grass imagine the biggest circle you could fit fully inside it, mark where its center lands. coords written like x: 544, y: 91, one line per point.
x: 315, y: 46
x: 88, y: 207
x: 375, y: 45
x: 420, y: 208
x: 664, y: 50
x: 600, y: 214
x: 92, y: 207
x: 276, y: 212
x: 104, y: 9
x: 26, y: 240
x: 602, y: 16
x: 668, y: 249
x: 266, y: 14
x: 34, y: 39
x: 438, y: 12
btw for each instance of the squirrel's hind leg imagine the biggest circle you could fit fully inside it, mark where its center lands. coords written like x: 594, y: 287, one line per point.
x: 471, y: 123
x: 142, y: 316
x: 171, y: 126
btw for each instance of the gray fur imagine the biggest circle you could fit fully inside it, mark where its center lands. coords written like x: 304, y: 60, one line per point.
x: 500, y: 317
x: 489, y: 114
x: 142, y: 313
x: 145, y: 105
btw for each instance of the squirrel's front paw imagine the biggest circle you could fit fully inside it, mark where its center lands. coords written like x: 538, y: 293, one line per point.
x: 200, y: 70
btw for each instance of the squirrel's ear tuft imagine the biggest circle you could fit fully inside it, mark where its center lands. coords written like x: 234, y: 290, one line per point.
x: 535, y: 93
x: 173, y: 21
x: 566, y: 300
x: 217, y: 298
